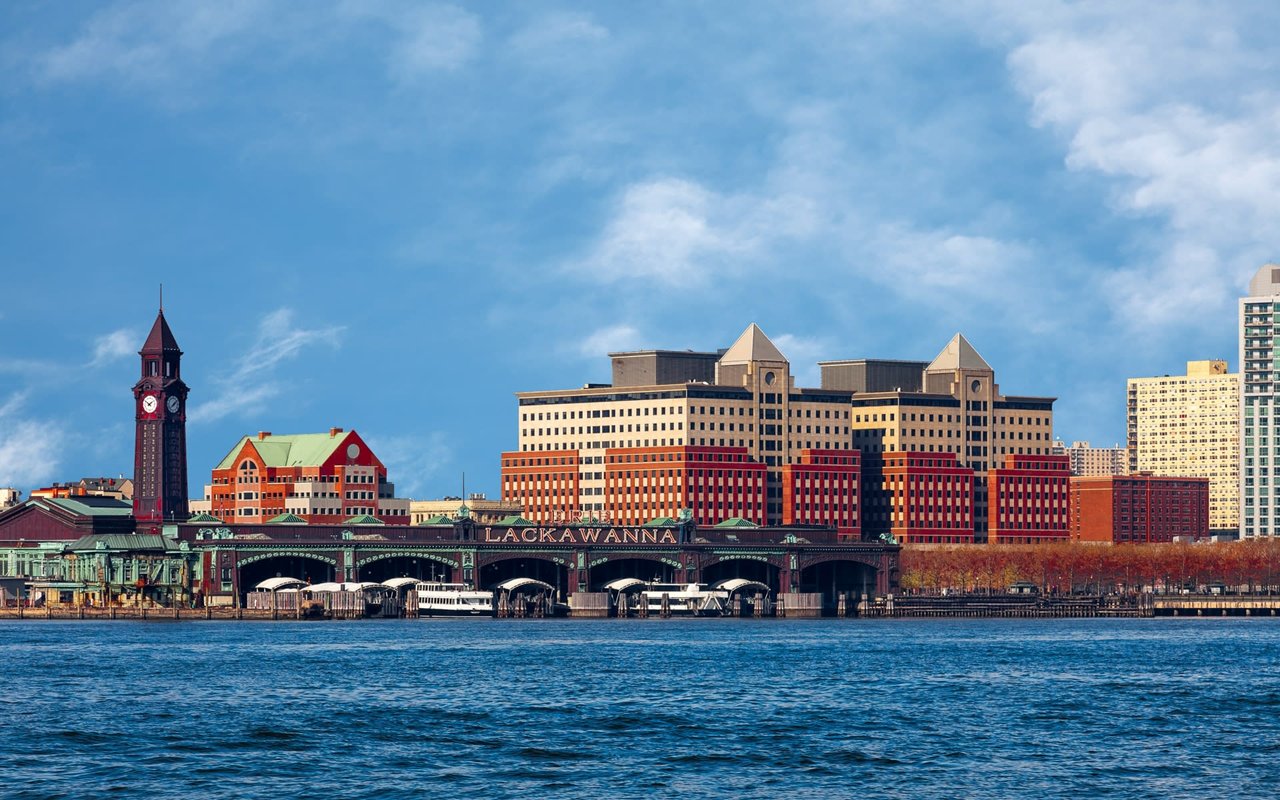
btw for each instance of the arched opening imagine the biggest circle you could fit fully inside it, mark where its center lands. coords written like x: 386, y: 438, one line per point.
x: 542, y: 569
x: 424, y: 569
x: 645, y: 569
x: 304, y: 568
x: 851, y: 580
x: 747, y: 568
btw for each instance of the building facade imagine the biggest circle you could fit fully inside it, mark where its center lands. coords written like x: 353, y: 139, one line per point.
x: 954, y: 406
x: 1085, y: 459
x: 919, y: 498
x: 1189, y: 425
x: 319, y: 478
x: 749, y: 418
x: 1029, y: 500
x: 1139, y: 509
x: 1260, y: 405
x: 476, y: 506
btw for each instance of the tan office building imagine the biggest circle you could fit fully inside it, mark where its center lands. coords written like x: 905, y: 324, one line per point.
x: 1189, y: 426
x: 736, y: 406
x: 952, y: 405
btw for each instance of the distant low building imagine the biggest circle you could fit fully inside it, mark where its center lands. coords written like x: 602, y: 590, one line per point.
x: 9, y: 497
x: 1139, y: 509
x: 116, y: 488
x: 1085, y: 459
x: 478, y: 508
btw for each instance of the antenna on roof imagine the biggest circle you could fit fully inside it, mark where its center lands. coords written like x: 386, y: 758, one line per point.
x: 162, y: 298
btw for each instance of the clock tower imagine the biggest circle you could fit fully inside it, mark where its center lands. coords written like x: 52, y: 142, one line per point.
x: 160, y: 444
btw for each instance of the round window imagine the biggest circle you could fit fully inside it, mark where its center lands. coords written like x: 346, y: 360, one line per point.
x: 975, y: 386
x: 768, y: 378
x: 353, y: 450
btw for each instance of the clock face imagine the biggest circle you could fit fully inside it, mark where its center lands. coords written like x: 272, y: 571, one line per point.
x: 149, y: 404
x: 172, y: 405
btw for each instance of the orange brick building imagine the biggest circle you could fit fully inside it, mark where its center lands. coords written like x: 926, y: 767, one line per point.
x: 822, y: 489
x: 1141, y: 508
x: 321, y: 478
x: 714, y: 483
x: 545, y: 485
x: 921, y: 498
x: 1028, y: 500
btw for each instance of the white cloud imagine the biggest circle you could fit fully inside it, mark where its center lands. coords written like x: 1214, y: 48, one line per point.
x: 1183, y: 119
x: 611, y: 339
x: 30, y: 449
x: 412, y: 460
x: 554, y: 35
x: 678, y: 233
x: 253, y: 377
x: 804, y: 352
x: 152, y: 43
x: 114, y: 345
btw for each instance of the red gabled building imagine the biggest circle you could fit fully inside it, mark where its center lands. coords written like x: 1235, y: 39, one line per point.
x: 822, y: 489
x: 1028, y: 500
x: 321, y: 478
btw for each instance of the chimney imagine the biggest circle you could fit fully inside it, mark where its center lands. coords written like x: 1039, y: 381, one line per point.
x: 334, y: 432
x: 263, y: 434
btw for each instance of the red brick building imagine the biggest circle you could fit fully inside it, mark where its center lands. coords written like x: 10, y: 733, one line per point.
x: 822, y: 489
x: 714, y: 483
x: 921, y: 498
x: 322, y: 478
x: 545, y: 485
x: 1028, y: 500
x: 1141, y: 508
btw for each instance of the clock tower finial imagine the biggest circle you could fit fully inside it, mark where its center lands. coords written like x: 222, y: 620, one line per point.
x: 160, y: 444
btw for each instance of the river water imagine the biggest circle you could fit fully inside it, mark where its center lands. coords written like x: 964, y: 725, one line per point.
x: 642, y: 708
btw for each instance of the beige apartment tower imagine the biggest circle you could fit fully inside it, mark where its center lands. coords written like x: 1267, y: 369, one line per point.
x: 1189, y: 426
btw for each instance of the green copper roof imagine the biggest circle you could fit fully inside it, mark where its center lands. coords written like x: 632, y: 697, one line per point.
x: 204, y: 516
x: 363, y: 519
x: 438, y: 519
x: 516, y: 521
x: 737, y: 522
x: 286, y: 519
x: 123, y: 541
x: 291, y: 450
x: 90, y: 506
x: 659, y: 522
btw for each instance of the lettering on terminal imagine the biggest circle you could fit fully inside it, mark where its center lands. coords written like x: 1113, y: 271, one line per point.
x: 580, y: 536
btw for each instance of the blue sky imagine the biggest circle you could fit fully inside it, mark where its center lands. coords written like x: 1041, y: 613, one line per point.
x: 392, y: 216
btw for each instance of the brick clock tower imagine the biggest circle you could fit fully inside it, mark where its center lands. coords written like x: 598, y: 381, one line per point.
x: 160, y: 445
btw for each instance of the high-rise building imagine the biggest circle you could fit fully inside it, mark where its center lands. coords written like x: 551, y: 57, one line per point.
x: 1085, y: 459
x: 1260, y: 405
x: 1189, y: 426
x: 954, y: 406
x: 677, y: 430
x: 160, y: 443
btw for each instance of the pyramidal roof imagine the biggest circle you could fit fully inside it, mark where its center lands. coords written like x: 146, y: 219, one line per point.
x: 752, y: 345
x: 160, y: 340
x: 958, y: 354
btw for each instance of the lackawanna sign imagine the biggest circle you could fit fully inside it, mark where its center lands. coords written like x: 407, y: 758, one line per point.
x: 580, y: 536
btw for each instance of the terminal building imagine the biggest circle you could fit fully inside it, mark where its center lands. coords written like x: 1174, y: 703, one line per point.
x: 1189, y: 426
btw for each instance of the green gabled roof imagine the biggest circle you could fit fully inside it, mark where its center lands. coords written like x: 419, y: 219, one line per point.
x: 438, y: 519
x: 204, y: 516
x: 659, y: 522
x: 123, y: 541
x: 736, y: 522
x: 289, y: 450
x: 362, y: 519
x: 517, y: 521
x: 286, y: 519
x: 90, y: 506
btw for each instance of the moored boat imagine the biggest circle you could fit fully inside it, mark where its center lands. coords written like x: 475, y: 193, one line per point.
x: 452, y: 600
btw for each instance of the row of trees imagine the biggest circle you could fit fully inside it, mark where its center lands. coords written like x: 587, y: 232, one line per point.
x: 1252, y: 565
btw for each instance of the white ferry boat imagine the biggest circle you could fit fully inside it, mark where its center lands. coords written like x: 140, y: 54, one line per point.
x: 686, y: 599
x: 453, y: 600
